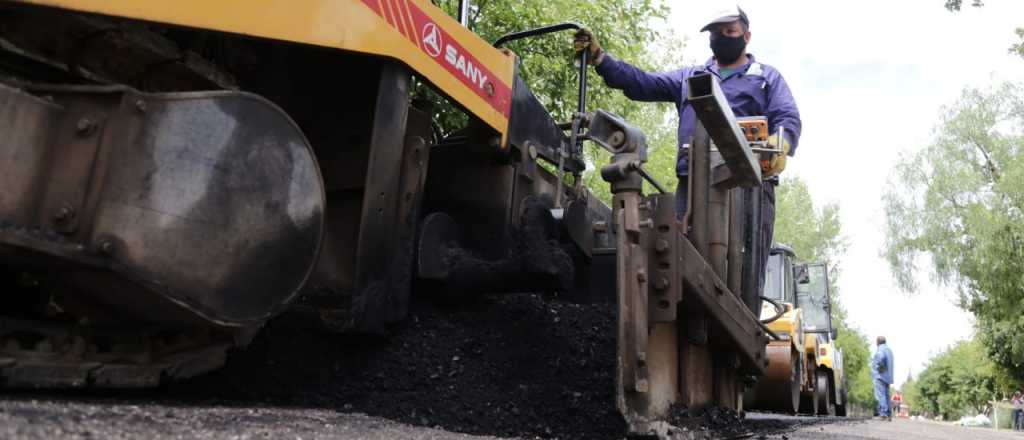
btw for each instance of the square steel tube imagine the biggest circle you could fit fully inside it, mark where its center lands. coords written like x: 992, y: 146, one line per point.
x: 713, y: 111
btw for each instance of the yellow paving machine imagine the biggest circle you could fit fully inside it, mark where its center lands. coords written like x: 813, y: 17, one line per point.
x: 175, y: 173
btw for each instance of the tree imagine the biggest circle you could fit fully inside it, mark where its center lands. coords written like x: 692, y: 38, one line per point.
x: 954, y: 5
x: 856, y: 353
x: 815, y: 233
x: 911, y: 395
x: 959, y: 381
x: 1018, y: 48
x: 960, y: 202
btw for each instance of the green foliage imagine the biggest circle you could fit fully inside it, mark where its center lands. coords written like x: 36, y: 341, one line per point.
x: 624, y: 29
x: 959, y: 381
x: 856, y: 353
x: 912, y: 396
x: 960, y: 201
x: 1018, y: 48
x: 955, y: 5
x: 815, y: 233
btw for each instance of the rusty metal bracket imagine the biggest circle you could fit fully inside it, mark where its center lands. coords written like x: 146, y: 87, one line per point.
x: 664, y: 290
x: 725, y: 308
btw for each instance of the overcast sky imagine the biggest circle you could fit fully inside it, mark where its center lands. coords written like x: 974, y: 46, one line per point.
x: 870, y: 78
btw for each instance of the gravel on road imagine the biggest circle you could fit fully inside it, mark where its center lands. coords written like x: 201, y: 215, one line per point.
x: 22, y: 419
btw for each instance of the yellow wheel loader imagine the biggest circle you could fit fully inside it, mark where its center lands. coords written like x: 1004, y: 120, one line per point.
x: 814, y: 300
x: 789, y: 384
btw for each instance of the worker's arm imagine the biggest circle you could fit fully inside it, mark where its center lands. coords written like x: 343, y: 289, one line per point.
x: 639, y: 85
x: 781, y: 109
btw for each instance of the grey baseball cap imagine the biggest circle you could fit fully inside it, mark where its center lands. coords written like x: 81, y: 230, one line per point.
x: 728, y: 15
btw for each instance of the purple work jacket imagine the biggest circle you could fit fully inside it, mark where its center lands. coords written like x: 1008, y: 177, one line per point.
x: 752, y: 90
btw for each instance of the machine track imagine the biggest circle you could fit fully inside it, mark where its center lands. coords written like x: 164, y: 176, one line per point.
x: 47, y: 338
x: 43, y: 355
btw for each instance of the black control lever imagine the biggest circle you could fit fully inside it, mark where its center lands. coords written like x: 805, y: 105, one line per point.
x: 581, y: 102
x: 576, y: 135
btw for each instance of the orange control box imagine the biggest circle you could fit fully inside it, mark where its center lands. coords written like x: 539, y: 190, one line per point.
x: 755, y: 129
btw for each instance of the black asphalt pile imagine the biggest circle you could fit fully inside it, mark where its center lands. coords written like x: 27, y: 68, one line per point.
x: 514, y: 366
x: 725, y: 424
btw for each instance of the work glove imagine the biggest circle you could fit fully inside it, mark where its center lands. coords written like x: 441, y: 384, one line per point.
x: 775, y: 166
x: 585, y: 40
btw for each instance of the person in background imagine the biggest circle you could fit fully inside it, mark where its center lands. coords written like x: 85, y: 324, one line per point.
x: 881, y: 376
x: 1018, y: 407
x: 897, y: 401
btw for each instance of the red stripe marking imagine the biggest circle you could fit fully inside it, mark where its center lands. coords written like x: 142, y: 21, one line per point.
x: 400, y: 16
x: 389, y: 16
x: 446, y: 51
x: 414, y: 35
x: 374, y: 5
x: 395, y: 9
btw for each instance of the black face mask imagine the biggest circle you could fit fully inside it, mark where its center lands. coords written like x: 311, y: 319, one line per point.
x: 728, y: 49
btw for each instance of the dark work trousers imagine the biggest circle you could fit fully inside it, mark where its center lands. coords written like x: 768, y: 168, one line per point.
x: 767, y: 228
x: 767, y: 203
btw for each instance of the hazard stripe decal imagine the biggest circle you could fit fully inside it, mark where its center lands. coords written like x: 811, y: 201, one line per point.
x: 431, y: 39
x: 408, y: 14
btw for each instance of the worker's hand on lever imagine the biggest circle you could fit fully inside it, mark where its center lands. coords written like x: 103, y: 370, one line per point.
x: 777, y: 163
x: 585, y: 40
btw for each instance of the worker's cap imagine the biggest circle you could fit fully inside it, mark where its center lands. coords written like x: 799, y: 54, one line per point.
x: 727, y: 15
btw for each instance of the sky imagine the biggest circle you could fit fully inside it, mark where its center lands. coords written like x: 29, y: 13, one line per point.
x: 871, y: 78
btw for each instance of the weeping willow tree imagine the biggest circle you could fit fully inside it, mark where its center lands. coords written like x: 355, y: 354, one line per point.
x: 956, y: 207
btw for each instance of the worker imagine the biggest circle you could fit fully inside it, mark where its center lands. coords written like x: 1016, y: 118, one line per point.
x: 881, y: 377
x: 751, y: 87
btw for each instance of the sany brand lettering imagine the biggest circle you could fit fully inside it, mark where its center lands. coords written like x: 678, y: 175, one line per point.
x: 470, y: 71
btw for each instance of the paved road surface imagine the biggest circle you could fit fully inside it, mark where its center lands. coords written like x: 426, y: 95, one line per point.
x: 898, y: 429
x: 56, y: 419
x: 43, y: 418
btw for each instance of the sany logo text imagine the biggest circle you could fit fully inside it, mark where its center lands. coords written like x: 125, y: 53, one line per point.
x: 471, y: 72
x: 432, y: 44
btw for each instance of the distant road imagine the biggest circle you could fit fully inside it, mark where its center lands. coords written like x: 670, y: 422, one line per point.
x: 898, y: 429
